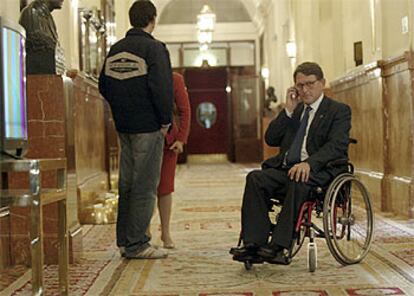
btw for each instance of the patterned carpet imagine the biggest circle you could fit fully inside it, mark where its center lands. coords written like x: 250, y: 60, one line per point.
x: 99, y: 258
x: 206, y: 223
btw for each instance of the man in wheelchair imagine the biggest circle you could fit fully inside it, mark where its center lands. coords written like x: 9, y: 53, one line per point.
x: 311, y: 131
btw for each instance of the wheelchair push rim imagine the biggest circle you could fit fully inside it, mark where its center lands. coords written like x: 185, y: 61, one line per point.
x: 348, y: 219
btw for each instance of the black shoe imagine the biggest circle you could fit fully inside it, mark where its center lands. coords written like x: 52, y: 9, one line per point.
x: 236, y: 250
x: 274, y: 255
x: 246, y: 254
x: 279, y: 258
x: 253, y: 259
x: 247, y: 250
x: 269, y: 251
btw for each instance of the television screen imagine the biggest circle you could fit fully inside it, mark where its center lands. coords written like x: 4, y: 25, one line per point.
x: 13, y: 104
x: 14, y: 85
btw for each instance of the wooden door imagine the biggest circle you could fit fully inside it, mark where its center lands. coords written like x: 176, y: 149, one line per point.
x: 246, y: 118
x: 209, y: 132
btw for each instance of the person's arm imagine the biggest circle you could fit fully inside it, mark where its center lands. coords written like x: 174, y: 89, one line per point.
x: 160, y: 82
x: 277, y: 129
x: 338, y: 139
x: 183, y: 106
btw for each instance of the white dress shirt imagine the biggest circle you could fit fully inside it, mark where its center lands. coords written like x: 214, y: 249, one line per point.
x: 315, y: 105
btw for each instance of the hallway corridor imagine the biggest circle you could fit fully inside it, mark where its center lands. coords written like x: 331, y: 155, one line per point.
x: 205, y: 225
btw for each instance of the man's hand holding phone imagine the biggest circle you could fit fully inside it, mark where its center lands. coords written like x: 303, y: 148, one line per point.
x: 292, y: 98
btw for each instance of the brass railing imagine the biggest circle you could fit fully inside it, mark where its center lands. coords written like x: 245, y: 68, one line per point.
x: 36, y: 197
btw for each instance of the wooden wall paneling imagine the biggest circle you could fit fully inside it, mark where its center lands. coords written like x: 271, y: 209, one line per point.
x: 410, y: 57
x: 75, y: 229
x: 362, y: 91
x: 267, y: 150
x: 89, y: 130
x: 112, y: 148
x: 398, y: 107
x: 90, y: 148
x: 381, y: 98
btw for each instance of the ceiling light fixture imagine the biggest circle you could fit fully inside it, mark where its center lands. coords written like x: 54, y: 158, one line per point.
x: 206, y: 21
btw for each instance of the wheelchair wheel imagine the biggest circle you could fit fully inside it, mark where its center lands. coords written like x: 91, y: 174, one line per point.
x: 348, y: 219
x: 312, y: 257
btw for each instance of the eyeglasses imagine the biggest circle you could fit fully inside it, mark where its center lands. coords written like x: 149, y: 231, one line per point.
x: 308, y: 84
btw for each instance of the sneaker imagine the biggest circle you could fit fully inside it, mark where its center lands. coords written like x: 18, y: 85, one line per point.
x: 122, y: 251
x: 148, y: 253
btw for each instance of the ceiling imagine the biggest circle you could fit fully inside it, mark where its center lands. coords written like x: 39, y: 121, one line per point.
x: 186, y: 11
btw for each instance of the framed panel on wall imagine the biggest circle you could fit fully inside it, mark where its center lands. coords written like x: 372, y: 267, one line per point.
x: 358, y: 53
x: 96, y: 36
x: 91, y: 41
x: 108, y: 13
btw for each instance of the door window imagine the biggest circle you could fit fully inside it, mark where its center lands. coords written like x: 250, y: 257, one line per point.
x: 206, y: 114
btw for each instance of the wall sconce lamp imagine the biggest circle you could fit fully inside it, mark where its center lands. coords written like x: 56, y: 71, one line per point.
x: 291, y: 49
x: 265, y: 73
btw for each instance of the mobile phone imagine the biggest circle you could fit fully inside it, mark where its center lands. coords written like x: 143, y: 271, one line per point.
x: 294, y: 94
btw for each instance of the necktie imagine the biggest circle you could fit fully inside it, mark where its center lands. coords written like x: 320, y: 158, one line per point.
x: 293, y: 155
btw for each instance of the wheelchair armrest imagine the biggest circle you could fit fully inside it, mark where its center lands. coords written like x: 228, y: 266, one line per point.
x: 337, y: 163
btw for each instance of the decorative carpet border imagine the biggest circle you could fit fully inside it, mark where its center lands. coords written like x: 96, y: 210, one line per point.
x: 369, y: 291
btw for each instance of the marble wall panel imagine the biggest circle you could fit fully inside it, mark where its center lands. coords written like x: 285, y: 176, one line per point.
x: 47, y: 139
x: 4, y: 238
x: 20, y: 238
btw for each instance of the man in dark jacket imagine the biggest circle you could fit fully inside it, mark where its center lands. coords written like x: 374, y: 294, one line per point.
x: 136, y: 80
x: 312, y: 131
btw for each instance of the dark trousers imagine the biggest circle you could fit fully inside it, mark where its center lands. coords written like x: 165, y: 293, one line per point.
x: 261, y: 186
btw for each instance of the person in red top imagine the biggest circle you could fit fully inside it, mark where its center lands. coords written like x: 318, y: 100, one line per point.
x: 174, y: 144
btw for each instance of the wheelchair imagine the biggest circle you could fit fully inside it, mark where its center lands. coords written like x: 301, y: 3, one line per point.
x: 347, y: 216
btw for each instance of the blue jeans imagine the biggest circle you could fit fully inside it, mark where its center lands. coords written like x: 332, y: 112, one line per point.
x: 139, y: 175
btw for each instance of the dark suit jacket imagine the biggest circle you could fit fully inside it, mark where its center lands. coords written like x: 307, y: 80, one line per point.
x: 327, y: 140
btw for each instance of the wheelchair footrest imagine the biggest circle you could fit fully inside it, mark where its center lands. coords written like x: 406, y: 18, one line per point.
x: 250, y: 259
x: 318, y: 232
x: 320, y: 235
x: 280, y: 260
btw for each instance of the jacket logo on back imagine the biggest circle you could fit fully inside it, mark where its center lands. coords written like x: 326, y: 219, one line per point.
x: 125, y: 65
